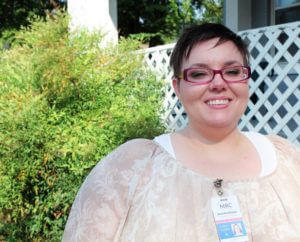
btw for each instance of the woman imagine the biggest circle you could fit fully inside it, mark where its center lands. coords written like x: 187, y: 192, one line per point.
x: 237, y: 230
x: 192, y: 185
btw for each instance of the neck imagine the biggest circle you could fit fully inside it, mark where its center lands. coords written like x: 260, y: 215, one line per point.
x: 211, y: 136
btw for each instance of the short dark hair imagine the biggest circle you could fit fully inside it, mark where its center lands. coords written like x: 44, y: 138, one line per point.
x: 199, y: 33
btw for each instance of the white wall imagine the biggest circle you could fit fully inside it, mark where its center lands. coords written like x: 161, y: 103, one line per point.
x: 95, y: 15
x: 241, y: 15
x: 237, y: 14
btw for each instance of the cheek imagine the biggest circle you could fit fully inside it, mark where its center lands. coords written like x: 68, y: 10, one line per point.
x: 246, y: 93
x: 241, y: 91
x: 243, y: 95
x: 190, y: 93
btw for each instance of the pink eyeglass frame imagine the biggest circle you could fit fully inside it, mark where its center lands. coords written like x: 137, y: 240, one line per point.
x: 214, y: 73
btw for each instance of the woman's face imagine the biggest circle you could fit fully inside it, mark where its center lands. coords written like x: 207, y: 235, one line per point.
x: 216, y: 104
x: 237, y: 229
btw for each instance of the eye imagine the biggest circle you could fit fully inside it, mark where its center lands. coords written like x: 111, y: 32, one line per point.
x: 198, y: 73
x: 235, y: 71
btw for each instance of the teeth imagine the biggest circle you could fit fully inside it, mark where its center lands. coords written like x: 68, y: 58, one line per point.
x: 218, y: 102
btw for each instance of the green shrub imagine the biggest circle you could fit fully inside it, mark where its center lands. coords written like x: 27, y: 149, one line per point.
x: 64, y: 104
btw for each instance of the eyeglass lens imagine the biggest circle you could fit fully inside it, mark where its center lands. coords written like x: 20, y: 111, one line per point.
x: 232, y: 74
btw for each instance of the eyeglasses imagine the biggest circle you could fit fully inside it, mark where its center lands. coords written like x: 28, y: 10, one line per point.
x: 202, y: 75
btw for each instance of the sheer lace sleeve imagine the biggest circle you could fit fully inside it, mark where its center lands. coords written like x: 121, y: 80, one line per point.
x: 286, y: 149
x: 101, y: 205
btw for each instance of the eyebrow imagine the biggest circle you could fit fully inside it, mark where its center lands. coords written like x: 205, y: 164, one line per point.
x: 227, y: 63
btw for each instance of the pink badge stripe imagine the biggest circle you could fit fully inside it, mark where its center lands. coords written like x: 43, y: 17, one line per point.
x: 229, y: 220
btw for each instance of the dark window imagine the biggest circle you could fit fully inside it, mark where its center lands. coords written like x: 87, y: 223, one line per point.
x: 287, y: 11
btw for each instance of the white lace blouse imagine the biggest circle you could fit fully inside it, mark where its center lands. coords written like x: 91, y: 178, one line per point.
x: 141, y: 193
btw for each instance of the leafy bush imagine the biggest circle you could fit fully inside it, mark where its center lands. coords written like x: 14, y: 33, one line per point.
x: 64, y: 104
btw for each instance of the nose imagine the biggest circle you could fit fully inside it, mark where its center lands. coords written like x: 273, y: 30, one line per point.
x: 217, y: 84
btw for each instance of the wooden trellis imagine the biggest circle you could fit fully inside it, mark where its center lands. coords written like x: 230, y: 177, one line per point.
x: 274, y: 105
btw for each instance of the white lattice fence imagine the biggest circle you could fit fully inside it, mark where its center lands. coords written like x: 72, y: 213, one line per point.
x: 274, y: 105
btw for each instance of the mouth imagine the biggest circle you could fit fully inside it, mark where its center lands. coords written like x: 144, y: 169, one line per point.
x: 218, y: 102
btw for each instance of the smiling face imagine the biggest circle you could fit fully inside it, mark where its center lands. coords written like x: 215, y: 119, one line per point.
x: 217, y: 104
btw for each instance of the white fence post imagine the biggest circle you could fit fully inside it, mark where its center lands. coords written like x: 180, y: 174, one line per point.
x: 95, y: 15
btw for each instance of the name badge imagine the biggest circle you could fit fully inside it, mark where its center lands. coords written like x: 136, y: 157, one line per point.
x: 228, y: 219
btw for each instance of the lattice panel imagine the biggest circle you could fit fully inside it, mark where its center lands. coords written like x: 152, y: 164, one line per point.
x: 158, y: 59
x: 274, y: 105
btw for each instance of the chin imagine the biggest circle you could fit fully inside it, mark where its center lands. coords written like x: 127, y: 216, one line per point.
x: 220, y: 120
x: 222, y: 123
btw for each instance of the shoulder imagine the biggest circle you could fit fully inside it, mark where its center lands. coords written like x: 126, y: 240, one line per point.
x: 120, y: 167
x: 133, y: 149
x: 118, y: 170
x: 287, y: 153
x: 278, y: 142
x: 130, y: 155
x: 143, y: 145
x: 274, y: 145
x: 283, y: 145
x: 103, y: 201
